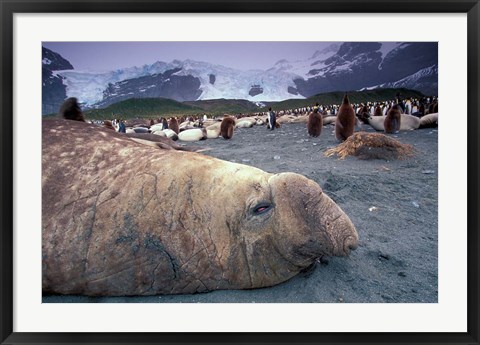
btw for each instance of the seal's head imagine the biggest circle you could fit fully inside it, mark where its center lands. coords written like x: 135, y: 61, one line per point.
x: 278, y: 225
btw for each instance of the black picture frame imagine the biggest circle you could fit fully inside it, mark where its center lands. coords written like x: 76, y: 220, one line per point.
x: 10, y: 7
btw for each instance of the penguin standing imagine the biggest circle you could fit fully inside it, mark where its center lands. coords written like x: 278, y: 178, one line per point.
x: 71, y: 110
x: 272, y: 119
x: 345, y: 122
x: 315, y: 122
x: 392, y: 120
x: 227, y: 127
x: 173, y: 125
x: 164, y: 123
x: 378, y: 111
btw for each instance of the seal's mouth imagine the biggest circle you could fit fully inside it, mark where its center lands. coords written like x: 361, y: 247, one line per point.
x: 343, y: 235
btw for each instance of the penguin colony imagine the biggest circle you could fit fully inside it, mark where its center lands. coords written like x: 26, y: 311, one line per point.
x: 389, y: 117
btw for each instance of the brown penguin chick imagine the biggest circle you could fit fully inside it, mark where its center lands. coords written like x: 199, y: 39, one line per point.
x: 345, y: 122
x: 226, y: 127
x: 378, y: 111
x: 70, y: 110
x: 364, y: 110
x: 173, y: 125
x: 392, y: 120
x: 314, y: 124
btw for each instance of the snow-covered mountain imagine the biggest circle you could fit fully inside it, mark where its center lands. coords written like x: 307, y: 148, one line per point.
x: 358, y: 65
x: 339, y: 67
x: 426, y: 80
x: 53, y: 87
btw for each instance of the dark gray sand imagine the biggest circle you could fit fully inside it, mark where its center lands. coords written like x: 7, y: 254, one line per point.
x: 393, y: 204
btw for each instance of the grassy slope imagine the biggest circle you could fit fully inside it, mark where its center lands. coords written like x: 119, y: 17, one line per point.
x: 142, y: 108
x: 159, y: 107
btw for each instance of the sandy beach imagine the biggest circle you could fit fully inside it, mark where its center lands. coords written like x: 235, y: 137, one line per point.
x: 393, y: 204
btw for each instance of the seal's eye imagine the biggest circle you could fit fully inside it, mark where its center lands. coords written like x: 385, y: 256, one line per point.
x: 261, y: 208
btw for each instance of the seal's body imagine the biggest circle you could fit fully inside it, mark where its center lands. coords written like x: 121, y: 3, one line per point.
x: 173, y: 221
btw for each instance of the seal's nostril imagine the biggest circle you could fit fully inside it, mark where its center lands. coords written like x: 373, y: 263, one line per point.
x: 351, y: 243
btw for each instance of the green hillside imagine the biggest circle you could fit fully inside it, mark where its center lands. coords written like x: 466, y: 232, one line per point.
x: 143, y: 108
x: 159, y: 107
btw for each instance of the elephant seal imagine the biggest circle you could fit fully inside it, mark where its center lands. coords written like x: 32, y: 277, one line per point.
x: 210, y: 122
x: 346, y: 119
x: 407, y: 122
x: 194, y: 134
x: 159, y: 141
x: 156, y: 128
x: 226, y: 127
x: 108, y: 124
x: 114, y: 225
x: 429, y: 120
x: 170, y: 134
x: 329, y: 119
x: 141, y: 130
x: 160, y: 133
x: 300, y: 119
x: 70, y: 110
x: 186, y: 125
x: 285, y: 119
x: 213, y: 131
x: 314, y: 124
x: 391, y: 123
x: 259, y: 122
x: 245, y: 123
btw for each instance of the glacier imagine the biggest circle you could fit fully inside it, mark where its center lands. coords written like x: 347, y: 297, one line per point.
x: 338, y: 61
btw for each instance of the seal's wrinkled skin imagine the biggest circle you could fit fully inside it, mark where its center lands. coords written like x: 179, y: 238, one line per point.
x: 122, y: 218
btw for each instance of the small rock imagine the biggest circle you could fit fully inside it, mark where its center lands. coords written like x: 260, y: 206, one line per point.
x: 276, y: 157
x: 415, y: 204
x: 384, y: 256
x: 402, y: 274
x: 373, y: 208
x: 340, y: 299
x: 314, y: 144
x: 304, y: 149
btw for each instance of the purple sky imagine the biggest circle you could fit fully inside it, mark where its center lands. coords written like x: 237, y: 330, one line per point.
x: 105, y: 56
